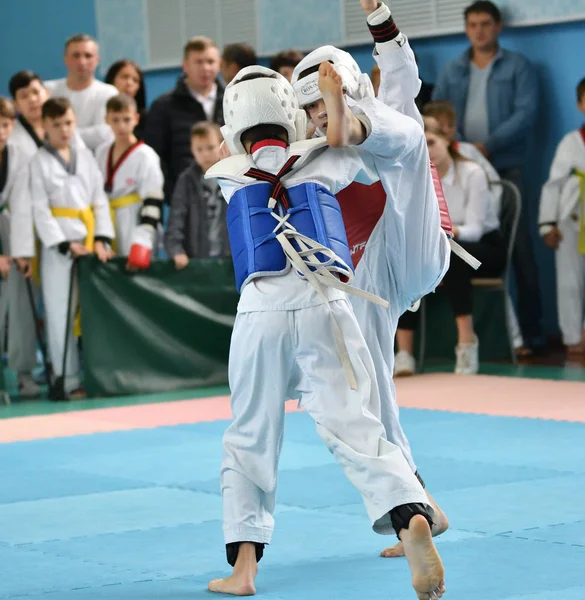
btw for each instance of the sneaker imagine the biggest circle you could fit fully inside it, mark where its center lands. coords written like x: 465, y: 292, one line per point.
x: 404, y: 364
x: 467, y: 358
x: 27, y: 388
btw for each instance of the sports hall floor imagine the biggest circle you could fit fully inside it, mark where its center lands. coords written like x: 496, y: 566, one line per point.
x: 119, y: 499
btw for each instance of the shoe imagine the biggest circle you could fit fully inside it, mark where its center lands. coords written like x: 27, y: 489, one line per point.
x: 404, y: 364
x: 467, y: 358
x: 27, y: 388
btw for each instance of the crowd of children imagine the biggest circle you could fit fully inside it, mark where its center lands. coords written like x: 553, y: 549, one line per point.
x: 103, y: 125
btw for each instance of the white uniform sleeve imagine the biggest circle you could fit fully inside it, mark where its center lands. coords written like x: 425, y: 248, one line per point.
x: 100, y: 204
x: 417, y: 249
x: 477, y: 200
x: 22, y: 237
x: 560, y: 171
x: 151, y: 177
x: 399, y: 80
x: 45, y: 224
x: 391, y: 134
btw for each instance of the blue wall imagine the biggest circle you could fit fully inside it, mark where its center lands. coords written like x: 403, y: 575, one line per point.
x: 34, y: 32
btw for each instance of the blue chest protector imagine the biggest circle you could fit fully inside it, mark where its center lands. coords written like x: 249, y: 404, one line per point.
x: 314, y: 212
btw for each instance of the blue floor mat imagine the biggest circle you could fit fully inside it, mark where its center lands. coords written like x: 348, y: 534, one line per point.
x: 137, y: 515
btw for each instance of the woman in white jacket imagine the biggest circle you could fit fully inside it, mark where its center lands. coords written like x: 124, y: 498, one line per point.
x: 476, y: 228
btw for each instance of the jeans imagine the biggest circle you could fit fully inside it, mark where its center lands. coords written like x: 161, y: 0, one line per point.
x: 525, y: 269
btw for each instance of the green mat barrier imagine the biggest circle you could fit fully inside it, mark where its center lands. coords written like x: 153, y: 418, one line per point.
x: 158, y: 330
x: 163, y: 329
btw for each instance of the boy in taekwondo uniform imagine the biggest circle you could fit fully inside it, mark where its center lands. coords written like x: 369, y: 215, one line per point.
x: 389, y: 262
x: 134, y: 184
x: 561, y: 223
x: 72, y: 219
x: 295, y: 334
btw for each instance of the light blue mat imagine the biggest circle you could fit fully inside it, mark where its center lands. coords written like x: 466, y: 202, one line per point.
x: 137, y: 515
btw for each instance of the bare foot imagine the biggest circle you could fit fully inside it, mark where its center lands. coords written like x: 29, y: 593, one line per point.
x: 428, y: 574
x: 241, y: 581
x: 440, y: 525
x: 343, y: 127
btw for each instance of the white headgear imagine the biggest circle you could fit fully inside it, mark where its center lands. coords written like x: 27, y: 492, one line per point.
x: 356, y: 84
x: 267, y: 99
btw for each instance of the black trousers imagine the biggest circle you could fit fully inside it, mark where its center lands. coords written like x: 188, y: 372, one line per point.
x: 490, y: 250
x: 526, y: 268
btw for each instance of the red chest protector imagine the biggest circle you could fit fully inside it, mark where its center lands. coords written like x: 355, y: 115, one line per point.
x: 363, y: 205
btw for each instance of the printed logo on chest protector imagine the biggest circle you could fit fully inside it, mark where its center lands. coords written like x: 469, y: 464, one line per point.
x: 130, y: 181
x: 308, y: 89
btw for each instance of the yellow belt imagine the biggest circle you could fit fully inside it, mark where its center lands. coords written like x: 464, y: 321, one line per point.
x: 121, y: 202
x: 86, y: 216
x: 581, y: 175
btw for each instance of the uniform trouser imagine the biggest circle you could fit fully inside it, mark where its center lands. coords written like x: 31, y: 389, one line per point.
x: 376, y: 325
x: 22, y: 341
x: 570, y: 267
x: 274, y: 355
x: 55, y: 284
x: 16, y: 312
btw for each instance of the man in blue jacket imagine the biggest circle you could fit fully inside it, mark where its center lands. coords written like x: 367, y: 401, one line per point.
x: 495, y: 94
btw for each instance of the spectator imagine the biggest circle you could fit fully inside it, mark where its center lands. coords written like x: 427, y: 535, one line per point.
x: 562, y: 226
x: 133, y: 180
x: 19, y: 328
x: 476, y: 228
x: 29, y: 94
x: 197, y: 223
x: 234, y: 58
x: 127, y: 77
x: 72, y: 218
x: 87, y: 95
x: 285, y: 62
x: 198, y: 96
x: 442, y: 114
x: 495, y: 94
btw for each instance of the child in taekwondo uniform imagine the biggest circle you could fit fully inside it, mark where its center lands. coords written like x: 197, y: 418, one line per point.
x: 295, y: 332
x: 14, y: 195
x: 72, y: 219
x: 387, y: 262
x: 133, y: 182
x: 561, y: 223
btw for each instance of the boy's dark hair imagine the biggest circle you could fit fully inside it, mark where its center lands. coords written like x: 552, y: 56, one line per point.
x: 440, y: 108
x: 121, y: 103
x: 79, y: 37
x: 21, y: 80
x: 484, y: 6
x: 7, y: 109
x: 241, y: 54
x: 581, y: 90
x: 286, y: 58
x: 54, y: 108
x: 264, y: 132
x: 116, y: 68
x: 205, y: 128
x: 198, y: 44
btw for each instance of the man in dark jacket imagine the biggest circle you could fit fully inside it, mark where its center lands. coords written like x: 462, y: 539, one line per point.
x: 198, y: 96
x: 197, y: 222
